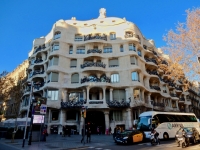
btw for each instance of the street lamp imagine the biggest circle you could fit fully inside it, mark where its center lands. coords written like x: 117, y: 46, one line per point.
x: 33, y: 104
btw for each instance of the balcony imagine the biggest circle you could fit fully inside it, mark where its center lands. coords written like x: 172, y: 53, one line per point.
x: 118, y: 103
x: 182, y: 99
x: 38, y: 85
x: 73, y: 104
x: 151, y: 60
x: 179, y: 88
x: 173, y: 95
x: 36, y: 72
x: 39, y: 48
x: 95, y: 79
x: 94, y: 51
x: 153, y: 72
x: 38, y: 60
x: 95, y: 102
x: 155, y: 87
x: 93, y: 64
x: 154, y: 53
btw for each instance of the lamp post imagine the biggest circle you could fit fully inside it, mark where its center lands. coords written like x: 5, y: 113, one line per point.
x: 33, y: 104
x: 30, y: 101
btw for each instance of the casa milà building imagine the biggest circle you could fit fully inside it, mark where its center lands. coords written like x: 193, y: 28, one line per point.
x: 104, y: 64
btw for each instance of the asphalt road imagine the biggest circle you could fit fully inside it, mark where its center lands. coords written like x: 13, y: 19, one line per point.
x: 7, y: 147
x: 165, y: 145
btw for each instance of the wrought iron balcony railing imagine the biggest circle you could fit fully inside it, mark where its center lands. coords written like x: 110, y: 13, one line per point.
x: 95, y: 79
x: 93, y: 64
x: 118, y: 104
x: 153, y: 72
x: 94, y: 51
x: 73, y: 104
x: 155, y: 88
x: 151, y: 60
x: 38, y: 61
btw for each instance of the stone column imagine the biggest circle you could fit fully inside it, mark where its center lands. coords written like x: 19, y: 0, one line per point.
x: 107, y: 123
x: 84, y: 94
x: 49, y: 121
x: 104, y: 94
x: 63, y: 95
x: 81, y: 123
x: 129, y: 120
x: 60, y: 122
x: 111, y: 94
x: 88, y: 91
x: 149, y: 98
x: 177, y: 104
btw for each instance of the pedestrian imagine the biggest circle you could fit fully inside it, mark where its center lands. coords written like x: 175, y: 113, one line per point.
x: 115, y: 132
x: 83, y: 134
x: 110, y: 131
x: 69, y: 131
x: 44, y: 133
x: 88, y: 135
x: 98, y: 130
x: 64, y: 131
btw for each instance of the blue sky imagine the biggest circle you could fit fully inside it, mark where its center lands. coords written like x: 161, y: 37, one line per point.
x: 21, y: 21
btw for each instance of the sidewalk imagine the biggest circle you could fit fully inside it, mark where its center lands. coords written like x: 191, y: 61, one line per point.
x: 57, y: 142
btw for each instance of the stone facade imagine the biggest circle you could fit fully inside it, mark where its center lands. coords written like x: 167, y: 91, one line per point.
x: 104, y: 64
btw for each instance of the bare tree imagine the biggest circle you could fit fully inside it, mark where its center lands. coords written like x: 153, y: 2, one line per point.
x: 183, y: 46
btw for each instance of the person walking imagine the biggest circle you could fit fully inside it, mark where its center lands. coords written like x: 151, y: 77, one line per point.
x: 64, y: 131
x: 115, y: 132
x: 83, y: 134
x: 88, y: 135
x: 110, y: 131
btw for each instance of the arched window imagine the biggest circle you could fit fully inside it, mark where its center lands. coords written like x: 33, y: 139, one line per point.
x: 75, y: 78
x: 57, y: 35
x: 80, y: 50
x: 107, y: 49
x: 73, y: 63
x: 135, y: 76
x: 78, y: 37
x: 114, y: 78
x: 55, y: 47
x: 113, y: 36
x: 132, y: 47
x: 70, y: 49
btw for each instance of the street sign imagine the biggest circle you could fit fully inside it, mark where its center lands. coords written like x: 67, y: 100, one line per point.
x: 43, y: 109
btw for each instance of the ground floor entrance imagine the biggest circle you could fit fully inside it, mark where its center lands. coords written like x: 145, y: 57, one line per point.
x: 95, y: 120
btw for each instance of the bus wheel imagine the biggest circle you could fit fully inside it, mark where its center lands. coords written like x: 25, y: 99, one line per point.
x: 165, y: 136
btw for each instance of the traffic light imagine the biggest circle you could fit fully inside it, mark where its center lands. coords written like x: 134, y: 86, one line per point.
x: 83, y: 113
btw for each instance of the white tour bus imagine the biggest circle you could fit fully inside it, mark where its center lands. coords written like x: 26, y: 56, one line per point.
x: 166, y: 123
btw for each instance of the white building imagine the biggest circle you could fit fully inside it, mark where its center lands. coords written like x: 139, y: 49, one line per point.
x: 105, y: 64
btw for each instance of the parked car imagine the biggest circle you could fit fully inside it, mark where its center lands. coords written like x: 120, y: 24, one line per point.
x: 190, y: 133
x: 129, y: 136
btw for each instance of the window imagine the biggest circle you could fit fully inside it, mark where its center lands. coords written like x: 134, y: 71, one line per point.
x: 144, y: 46
x: 139, y: 53
x: 113, y: 63
x: 53, y: 61
x: 80, y: 50
x: 71, y: 50
x: 164, y: 89
x: 78, y: 37
x: 117, y: 115
x: 73, y: 63
x: 75, y: 78
x: 76, y: 96
x: 132, y: 47
x: 107, y: 49
x: 54, y: 115
x: 137, y: 94
x: 52, y: 95
x: 112, y: 36
x: 95, y: 47
x: 135, y: 76
x: 133, y: 60
x: 121, y: 48
x: 32, y: 61
x: 55, y: 47
x: 53, y: 77
x: 119, y: 95
x: 114, y: 78
x: 57, y: 35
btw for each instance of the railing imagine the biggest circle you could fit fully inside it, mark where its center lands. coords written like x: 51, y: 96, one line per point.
x: 73, y: 104
x: 173, y: 95
x: 95, y: 79
x: 38, y: 61
x: 159, y: 104
x: 155, y: 88
x: 94, y: 51
x: 93, y: 64
x: 118, y: 104
x: 113, y: 65
x: 151, y: 60
x: 39, y: 48
x: 182, y: 99
x: 154, y: 72
x: 36, y: 72
x: 178, y: 88
x: 38, y: 85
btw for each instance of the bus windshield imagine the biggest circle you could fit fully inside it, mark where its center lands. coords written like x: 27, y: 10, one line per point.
x: 143, y: 123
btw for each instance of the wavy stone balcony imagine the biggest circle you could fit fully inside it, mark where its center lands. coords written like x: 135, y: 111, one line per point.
x: 155, y: 88
x: 36, y: 73
x: 73, y: 104
x: 118, y: 104
x: 151, y: 60
x: 154, y: 72
x: 38, y: 61
x: 39, y: 48
x: 93, y: 64
x: 95, y: 79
